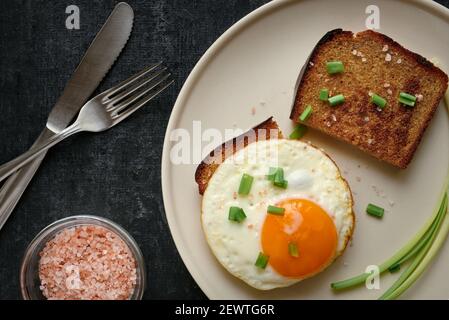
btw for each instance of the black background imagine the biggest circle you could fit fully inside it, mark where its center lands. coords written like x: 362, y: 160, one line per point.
x: 115, y: 174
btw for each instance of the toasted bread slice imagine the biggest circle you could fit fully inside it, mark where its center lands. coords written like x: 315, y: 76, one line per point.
x: 373, y: 63
x: 268, y: 129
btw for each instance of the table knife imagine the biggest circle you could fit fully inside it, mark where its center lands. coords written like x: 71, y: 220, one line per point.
x: 94, y: 65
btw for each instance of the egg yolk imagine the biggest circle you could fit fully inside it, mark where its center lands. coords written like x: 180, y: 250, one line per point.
x: 306, y: 226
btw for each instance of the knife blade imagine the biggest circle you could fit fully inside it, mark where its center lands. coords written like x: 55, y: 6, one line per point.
x: 96, y: 62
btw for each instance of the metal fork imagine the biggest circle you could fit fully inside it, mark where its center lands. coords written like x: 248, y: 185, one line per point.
x: 103, y: 111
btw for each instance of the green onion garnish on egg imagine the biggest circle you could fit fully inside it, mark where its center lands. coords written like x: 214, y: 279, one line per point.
x: 276, y: 175
x: 276, y: 210
x: 378, y: 101
x: 293, y: 249
x: 236, y: 214
x: 375, y: 211
x: 245, y: 184
x: 272, y: 173
x: 336, y: 100
x: 334, y: 67
x: 262, y: 261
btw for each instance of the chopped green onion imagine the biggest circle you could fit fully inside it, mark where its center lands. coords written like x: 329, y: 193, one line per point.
x: 262, y: 261
x: 335, y: 67
x: 236, y: 214
x: 407, y: 96
x: 306, y: 113
x: 276, y: 210
x: 378, y: 101
x: 375, y: 210
x: 277, y: 176
x: 245, y: 184
x: 272, y: 173
x: 407, y: 99
x: 279, y: 179
x: 409, y: 103
x: 336, y: 100
x: 324, y: 94
x: 293, y: 249
x: 299, y: 131
x: 282, y: 184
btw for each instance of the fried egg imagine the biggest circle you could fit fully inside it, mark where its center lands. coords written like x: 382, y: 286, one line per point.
x: 317, y: 217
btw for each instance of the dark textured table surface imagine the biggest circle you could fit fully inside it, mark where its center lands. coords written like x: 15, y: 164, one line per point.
x: 115, y: 174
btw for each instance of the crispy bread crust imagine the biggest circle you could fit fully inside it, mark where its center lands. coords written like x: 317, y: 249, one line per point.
x: 208, y: 166
x: 391, y: 135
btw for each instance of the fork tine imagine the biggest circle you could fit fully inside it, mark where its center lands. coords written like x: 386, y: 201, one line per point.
x: 128, y: 112
x: 130, y: 80
x: 133, y: 98
x: 113, y: 105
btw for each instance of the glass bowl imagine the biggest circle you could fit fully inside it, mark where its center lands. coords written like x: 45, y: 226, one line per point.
x: 29, y: 270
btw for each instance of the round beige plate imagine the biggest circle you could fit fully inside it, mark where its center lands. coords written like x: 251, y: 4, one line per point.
x: 249, y: 74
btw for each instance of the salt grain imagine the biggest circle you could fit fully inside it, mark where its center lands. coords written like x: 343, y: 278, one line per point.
x: 389, y: 91
x: 87, y: 263
x: 388, y: 57
x: 354, y: 52
x: 386, y: 85
x: 363, y: 59
x: 399, y: 61
x: 385, y: 48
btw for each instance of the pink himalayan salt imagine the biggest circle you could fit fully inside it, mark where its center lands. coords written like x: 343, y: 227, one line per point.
x: 87, y: 263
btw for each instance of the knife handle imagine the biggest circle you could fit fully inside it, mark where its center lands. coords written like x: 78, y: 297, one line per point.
x: 13, y: 189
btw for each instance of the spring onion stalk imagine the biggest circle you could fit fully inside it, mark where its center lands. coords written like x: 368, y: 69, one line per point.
x: 361, y: 278
x: 436, y: 246
x: 393, y: 292
x: 425, y: 239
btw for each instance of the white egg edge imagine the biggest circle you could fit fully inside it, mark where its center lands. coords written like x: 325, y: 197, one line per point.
x: 347, y: 232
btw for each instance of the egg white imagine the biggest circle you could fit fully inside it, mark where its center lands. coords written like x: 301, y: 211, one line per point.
x: 311, y: 175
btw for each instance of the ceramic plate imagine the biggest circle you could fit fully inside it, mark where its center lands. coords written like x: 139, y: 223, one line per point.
x: 248, y: 75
